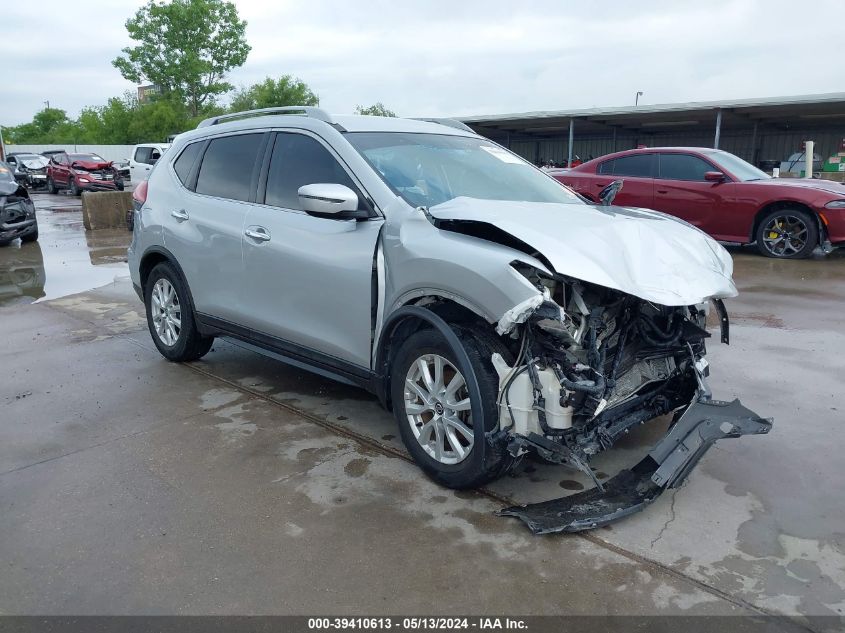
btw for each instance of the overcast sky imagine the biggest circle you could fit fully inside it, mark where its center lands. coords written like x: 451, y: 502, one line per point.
x: 440, y: 58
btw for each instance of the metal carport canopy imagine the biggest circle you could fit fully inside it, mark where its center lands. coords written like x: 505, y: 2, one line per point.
x: 821, y: 110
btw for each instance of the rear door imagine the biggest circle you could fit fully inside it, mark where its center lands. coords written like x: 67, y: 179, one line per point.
x: 637, y: 172
x: 682, y: 191
x: 309, y: 279
x: 204, y: 221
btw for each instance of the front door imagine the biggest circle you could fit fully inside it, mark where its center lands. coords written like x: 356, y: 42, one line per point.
x: 308, y: 280
x: 681, y: 190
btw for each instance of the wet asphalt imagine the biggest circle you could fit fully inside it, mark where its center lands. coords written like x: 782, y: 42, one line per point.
x: 237, y: 484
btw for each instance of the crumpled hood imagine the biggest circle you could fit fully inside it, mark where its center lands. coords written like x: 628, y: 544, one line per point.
x: 640, y: 252
x: 91, y: 165
x: 816, y: 184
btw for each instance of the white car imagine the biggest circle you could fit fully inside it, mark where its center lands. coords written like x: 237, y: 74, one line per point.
x: 144, y: 156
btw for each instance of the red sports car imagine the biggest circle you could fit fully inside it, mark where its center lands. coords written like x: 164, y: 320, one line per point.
x: 82, y: 172
x: 722, y: 195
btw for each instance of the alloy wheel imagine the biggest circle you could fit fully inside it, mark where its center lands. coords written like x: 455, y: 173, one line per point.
x: 785, y: 235
x: 438, y: 409
x: 166, y: 312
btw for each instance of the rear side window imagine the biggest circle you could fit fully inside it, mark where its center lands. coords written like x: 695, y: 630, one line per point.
x: 186, y: 161
x: 227, y: 166
x: 142, y: 154
x: 299, y: 160
x: 636, y: 165
x: 683, y: 167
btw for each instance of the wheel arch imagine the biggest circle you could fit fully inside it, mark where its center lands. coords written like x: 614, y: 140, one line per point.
x: 410, y: 319
x: 778, y: 205
x: 154, y: 256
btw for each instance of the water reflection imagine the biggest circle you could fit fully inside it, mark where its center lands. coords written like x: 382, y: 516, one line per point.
x: 65, y: 260
x: 22, y: 275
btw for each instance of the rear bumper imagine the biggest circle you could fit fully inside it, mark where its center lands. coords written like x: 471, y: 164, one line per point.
x: 101, y: 186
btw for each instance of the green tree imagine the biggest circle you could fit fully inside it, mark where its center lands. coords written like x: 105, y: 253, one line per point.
x: 284, y: 91
x: 185, y: 47
x: 377, y: 109
x: 157, y: 120
x: 50, y: 125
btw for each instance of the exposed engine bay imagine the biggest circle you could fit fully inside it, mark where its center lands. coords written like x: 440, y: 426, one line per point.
x: 594, y: 362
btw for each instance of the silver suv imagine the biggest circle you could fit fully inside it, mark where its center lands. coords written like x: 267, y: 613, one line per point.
x: 496, y: 312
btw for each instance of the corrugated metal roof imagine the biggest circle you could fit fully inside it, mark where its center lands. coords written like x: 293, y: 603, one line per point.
x: 692, y: 106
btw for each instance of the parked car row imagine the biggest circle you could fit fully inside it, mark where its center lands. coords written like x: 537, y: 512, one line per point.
x: 722, y: 195
x: 33, y: 170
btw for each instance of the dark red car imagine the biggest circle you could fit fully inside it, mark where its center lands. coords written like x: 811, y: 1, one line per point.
x: 82, y: 172
x: 722, y: 195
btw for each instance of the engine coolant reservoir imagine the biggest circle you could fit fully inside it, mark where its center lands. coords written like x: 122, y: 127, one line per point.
x: 521, y: 418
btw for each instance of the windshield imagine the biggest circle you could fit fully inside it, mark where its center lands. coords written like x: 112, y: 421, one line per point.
x: 734, y: 164
x: 33, y: 161
x: 87, y: 158
x: 429, y: 169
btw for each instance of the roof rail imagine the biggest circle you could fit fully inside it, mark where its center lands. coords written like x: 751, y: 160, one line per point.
x: 458, y: 125
x: 309, y: 111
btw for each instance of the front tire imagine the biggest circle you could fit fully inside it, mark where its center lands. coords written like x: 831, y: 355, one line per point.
x: 74, y: 188
x: 788, y: 234
x: 443, y: 418
x: 30, y: 237
x: 51, y: 186
x: 170, y: 318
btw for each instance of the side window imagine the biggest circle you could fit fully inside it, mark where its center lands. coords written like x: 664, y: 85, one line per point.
x: 186, y: 161
x: 142, y: 154
x: 606, y: 168
x: 154, y: 156
x: 299, y: 160
x: 227, y: 166
x: 683, y: 167
x: 635, y: 165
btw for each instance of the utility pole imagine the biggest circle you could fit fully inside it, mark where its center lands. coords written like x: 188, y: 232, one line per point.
x: 637, y: 98
x: 47, y: 103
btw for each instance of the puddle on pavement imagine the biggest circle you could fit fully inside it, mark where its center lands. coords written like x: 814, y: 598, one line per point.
x: 65, y: 260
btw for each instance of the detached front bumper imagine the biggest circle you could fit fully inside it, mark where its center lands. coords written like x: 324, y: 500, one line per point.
x: 101, y: 185
x: 666, y: 466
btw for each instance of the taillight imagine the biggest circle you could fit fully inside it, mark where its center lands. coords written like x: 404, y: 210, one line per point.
x: 140, y: 194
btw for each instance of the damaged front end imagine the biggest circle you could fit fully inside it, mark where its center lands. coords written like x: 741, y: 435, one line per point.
x: 594, y: 362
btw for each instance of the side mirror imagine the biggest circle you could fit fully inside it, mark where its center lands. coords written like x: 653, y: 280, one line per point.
x: 607, y: 194
x: 714, y: 176
x: 327, y: 198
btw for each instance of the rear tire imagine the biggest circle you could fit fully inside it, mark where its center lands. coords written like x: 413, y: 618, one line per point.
x: 787, y: 234
x: 170, y: 317
x: 475, y: 462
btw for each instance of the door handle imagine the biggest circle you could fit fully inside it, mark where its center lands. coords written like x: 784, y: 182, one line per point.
x: 180, y: 215
x: 258, y: 233
x: 662, y: 191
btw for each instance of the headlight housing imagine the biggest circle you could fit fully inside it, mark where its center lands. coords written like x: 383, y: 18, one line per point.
x: 835, y: 204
